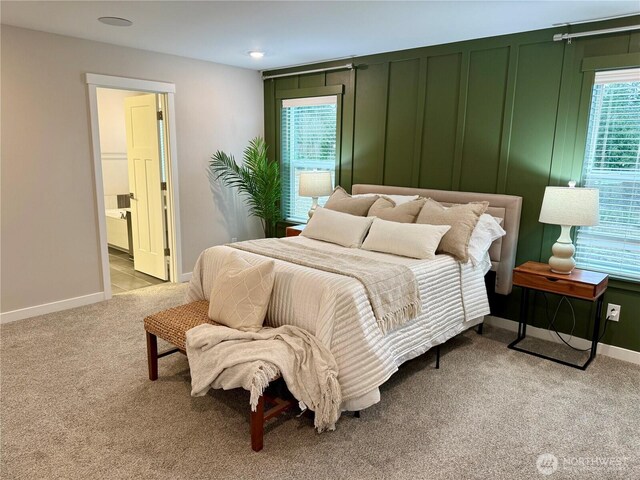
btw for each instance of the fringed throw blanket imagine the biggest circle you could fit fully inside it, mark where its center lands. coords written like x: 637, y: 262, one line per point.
x: 221, y: 357
x: 392, y: 289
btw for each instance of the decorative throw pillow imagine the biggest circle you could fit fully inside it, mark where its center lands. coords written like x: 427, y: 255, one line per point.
x: 341, y: 201
x: 386, y: 209
x: 487, y: 231
x: 337, y: 227
x: 241, y: 292
x: 461, y: 218
x: 406, y: 239
x: 399, y: 199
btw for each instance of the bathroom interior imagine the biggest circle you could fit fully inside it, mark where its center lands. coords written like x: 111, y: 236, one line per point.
x: 117, y: 196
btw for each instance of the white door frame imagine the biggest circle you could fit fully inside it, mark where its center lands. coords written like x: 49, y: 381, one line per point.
x: 95, y: 81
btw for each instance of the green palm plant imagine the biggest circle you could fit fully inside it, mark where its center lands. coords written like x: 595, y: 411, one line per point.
x: 258, y: 179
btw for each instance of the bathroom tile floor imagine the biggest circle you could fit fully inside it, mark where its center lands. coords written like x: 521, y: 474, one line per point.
x: 124, y: 277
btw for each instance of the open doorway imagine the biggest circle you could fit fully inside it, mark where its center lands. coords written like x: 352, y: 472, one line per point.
x: 133, y: 157
x: 151, y: 191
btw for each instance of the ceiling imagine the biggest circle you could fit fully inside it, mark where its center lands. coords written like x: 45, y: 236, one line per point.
x: 293, y: 33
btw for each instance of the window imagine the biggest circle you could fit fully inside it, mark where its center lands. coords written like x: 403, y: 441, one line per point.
x: 612, y: 164
x: 308, y: 133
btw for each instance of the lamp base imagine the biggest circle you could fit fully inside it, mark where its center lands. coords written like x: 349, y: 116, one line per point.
x: 562, y: 260
x: 568, y: 268
x: 314, y: 205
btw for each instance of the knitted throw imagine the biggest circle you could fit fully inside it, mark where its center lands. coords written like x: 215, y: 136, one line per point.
x: 392, y: 289
x: 222, y: 357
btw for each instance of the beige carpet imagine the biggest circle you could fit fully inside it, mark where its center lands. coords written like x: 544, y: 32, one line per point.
x: 76, y: 404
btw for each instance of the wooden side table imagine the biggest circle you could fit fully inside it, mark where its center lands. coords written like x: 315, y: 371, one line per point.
x: 581, y: 284
x: 294, y: 230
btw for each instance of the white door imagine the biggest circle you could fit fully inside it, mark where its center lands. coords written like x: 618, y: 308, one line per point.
x: 147, y: 209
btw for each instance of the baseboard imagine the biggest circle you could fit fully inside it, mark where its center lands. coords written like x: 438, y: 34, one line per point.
x: 612, y: 351
x: 185, y: 277
x: 52, y: 307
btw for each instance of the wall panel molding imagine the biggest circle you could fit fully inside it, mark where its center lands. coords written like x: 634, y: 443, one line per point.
x: 503, y: 162
x: 484, y: 118
x: 462, y: 116
x: 420, y: 112
x: 501, y: 115
x: 382, y: 157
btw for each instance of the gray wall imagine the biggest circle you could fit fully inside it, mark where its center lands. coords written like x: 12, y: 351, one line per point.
x: 49, y: 227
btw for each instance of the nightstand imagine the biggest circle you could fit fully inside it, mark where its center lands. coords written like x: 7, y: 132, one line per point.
x: 580, y: 284
x: 294, y: 230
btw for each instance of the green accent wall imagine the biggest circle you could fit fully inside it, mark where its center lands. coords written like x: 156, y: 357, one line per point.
x: 504, y: 115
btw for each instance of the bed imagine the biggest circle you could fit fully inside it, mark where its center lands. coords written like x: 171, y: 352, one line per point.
x: 335, y: 308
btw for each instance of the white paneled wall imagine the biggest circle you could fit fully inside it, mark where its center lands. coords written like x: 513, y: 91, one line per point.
x: 115, y: 174
x: 111, y: 202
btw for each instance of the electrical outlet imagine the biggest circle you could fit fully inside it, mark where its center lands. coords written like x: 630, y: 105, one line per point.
x: 613, y: 312
x: 234, y: 239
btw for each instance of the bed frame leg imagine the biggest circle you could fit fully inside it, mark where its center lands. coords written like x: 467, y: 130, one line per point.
x: 152, y: 356
x: 356, y: 414
x: 480, y: 328
x: 257, y: 426
x: 438, y: 356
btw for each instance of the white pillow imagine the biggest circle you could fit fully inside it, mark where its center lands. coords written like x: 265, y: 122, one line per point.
x: 241, y: 292
x: 397, y: 199
x: 337, y: 227
x: 407, y: 239
x: 487, y: 231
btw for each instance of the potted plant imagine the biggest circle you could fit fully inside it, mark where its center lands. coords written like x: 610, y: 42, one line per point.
x: 258, y: 179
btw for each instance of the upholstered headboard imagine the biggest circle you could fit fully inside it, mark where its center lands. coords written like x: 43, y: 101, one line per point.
x: 507, y: 207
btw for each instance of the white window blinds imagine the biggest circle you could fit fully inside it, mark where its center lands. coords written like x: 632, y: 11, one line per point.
x: 612, y: 164
x: 308, y: 142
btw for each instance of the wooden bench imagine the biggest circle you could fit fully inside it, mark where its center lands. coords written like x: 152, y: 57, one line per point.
x: 171, y: 325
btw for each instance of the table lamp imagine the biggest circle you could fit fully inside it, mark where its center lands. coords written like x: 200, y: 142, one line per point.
x: 315, y: 184
x: 568, y: 207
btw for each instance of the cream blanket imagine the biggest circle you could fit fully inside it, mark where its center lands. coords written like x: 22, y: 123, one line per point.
x: 221, y: 357
x: 392, y: 288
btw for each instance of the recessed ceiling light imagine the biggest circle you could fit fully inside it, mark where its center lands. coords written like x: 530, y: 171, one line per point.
x: 115, y: 21
x: 256, y: 54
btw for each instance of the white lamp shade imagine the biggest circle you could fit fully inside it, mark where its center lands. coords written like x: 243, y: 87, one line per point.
x: 315, y: 184
x: 570, y: 206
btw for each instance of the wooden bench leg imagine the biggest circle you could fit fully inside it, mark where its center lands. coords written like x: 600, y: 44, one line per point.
x: 257, y: 426
x: 152, y: 356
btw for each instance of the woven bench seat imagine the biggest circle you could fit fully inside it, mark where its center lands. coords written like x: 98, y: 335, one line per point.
x: 171, y: 325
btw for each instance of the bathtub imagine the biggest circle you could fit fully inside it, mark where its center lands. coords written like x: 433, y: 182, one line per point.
x: 117, y: 231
